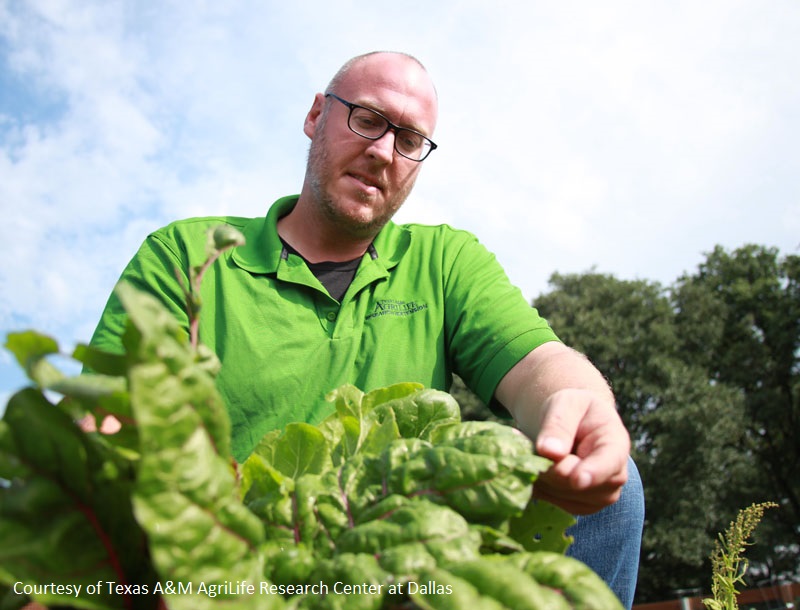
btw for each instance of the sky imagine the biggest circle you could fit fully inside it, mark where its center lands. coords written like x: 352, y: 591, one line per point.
x: 629, y: 138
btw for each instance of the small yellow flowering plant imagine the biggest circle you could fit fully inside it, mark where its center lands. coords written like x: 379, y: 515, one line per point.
x: 727, y: 560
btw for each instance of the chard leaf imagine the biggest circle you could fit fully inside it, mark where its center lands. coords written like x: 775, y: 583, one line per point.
x: 301, y: 449
x: 288, y: 565
x: 348, y: 570
x: 406, y: 560
x: 89, y: 533
x: 271, y: 498
x: 347, y: 401
x: 541, y: 527
x: 495, y: 541
x: 101, y: 362
x: 509, y: 585
x: 380, y: 434
x: 393, y: 392
x: 30, y: 349
x: 439, y: 589
x: 421, y: 414
x: 186, y: 496
x: 576, y: 582
x: 489, y: 438
x: 481, y: 487
x: 180, y: 375
x: 443, y: 533
x: 350, y: 442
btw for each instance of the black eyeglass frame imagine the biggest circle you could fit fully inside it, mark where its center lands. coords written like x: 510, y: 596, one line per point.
x: 389, y: 125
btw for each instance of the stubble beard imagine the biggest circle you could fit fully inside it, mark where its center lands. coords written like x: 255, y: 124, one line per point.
x: 350, y: 224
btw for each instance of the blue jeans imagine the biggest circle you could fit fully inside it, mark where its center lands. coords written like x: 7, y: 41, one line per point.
x: 609, y: 540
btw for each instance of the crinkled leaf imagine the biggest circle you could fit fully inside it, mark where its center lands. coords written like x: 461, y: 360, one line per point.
x: 509, y: 585
x: 186, y: 496
x: 393, y: 392
x: 442, y: 532
x: 89, y: 533
x: 348, y: 569
x: 439, y: 589
x: 288, y: 564
x: 495, y: 541
x: 179, y: 377
x: 421, y: 414
x: 576, y: 582
x: 482, y: 487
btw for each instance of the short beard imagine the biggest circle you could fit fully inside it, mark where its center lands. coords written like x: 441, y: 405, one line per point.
x: 317, y: 169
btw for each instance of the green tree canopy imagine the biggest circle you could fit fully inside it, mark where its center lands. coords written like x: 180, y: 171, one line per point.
x: 706, y: 376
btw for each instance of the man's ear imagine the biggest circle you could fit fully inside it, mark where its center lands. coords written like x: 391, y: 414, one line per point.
x: 312, y: 118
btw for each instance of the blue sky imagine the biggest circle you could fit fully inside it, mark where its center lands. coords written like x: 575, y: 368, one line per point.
x: 629, y: 137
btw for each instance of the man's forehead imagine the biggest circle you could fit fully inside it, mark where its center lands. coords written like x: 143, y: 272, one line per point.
x: 393, y: 84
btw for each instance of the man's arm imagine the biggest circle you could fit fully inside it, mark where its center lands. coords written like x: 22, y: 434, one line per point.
x: 562, y: 402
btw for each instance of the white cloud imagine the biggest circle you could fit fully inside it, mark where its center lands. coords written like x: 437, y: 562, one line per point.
x: 623, y: 135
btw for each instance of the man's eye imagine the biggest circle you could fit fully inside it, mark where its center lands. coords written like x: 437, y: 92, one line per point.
x: 409, y: 141
x: 368, y: 121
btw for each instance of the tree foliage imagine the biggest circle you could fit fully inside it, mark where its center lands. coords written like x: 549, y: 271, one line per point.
x: 740, y: 316
x: 707, y: 380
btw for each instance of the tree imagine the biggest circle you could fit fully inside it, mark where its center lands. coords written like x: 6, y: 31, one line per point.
x: 739, y: 318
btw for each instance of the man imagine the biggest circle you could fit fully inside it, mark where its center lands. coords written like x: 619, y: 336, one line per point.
x: 327, y: 290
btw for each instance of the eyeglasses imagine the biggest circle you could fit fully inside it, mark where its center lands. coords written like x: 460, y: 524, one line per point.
x: 373, y: 126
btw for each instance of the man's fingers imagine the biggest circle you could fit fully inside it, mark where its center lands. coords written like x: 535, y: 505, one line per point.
x: 561, y: 416
x: 606, y: 465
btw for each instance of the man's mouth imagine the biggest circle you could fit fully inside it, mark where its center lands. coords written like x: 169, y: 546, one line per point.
x: 371, y: 184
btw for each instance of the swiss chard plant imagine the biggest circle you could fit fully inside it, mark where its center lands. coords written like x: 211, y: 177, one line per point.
x: 391, y: 502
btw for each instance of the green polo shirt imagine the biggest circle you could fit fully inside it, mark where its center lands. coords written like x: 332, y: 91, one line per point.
x: 426, y: 302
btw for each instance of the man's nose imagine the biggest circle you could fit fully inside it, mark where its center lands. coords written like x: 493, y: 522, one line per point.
x: 383, y: 148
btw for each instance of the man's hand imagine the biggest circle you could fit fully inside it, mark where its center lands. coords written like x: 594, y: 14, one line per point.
x: 560, y: 400
x: 589, y: 445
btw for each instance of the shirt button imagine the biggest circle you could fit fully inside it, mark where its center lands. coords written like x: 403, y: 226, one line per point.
x: 331, y: 316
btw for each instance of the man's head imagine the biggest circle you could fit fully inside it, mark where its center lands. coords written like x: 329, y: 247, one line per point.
x: 356, y: 183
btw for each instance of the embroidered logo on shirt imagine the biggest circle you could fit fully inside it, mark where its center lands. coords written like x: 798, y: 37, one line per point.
x: 390, y: 307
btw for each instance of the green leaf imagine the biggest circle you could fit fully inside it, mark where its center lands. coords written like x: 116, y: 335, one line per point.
x: 99, y: 361
x: 395, y: 391
x: 421, y: 414
x: 575, y: 581
x: 30, y: 349
x: 349, y: 569
x: 483, y: 584
x: 443, y: 533
x: 301, y: 449
x: 509, y: 585
x: 347, y: 400
x: 186, y: 496
x: 541, y: 527
x: 89, y: 533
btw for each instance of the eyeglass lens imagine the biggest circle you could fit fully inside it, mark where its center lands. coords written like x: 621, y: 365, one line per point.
x: 370, y: 124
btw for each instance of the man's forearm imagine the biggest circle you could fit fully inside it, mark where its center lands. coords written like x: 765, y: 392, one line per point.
x: 550, y: 368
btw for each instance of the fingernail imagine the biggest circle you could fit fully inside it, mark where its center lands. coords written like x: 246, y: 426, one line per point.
x: 551, y: 445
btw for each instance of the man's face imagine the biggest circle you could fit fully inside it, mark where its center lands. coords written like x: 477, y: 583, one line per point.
x: 358, y: 184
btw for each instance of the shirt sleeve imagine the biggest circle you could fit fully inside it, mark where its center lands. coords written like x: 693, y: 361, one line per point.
x: 490, y: 326
x: 153, y: 269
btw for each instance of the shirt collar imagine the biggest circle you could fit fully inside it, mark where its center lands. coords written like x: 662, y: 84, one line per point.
x: 261, y: 252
